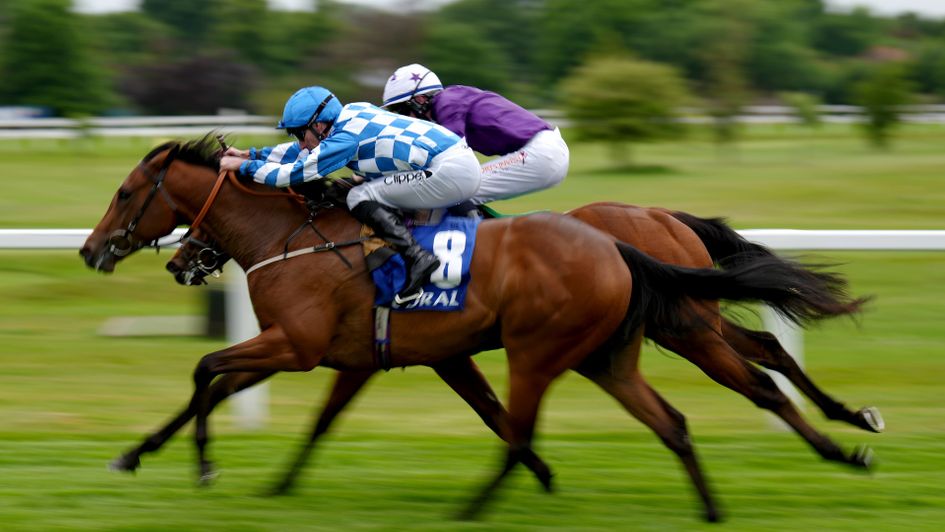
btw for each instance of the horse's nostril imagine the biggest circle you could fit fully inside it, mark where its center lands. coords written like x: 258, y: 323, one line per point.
x: 86, y: 254
x: 173, y: 267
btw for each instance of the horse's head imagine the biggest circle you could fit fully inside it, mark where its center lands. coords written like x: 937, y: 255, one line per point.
x: 196, y: 258
x: 141, y: 211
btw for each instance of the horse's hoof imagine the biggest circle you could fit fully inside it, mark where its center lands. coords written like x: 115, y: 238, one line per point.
x: 279, y: 490
x: 124, y: 463
x: 472, y: 511
x: 546, y: 483
x: 207, y: 475
x: 469, y: 514
x: 862, y: 457
x: 873, y: 419
x: 713, y: 516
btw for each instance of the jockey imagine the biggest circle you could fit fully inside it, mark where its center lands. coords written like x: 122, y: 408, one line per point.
x: 532, y: 154
x: 406, y: 163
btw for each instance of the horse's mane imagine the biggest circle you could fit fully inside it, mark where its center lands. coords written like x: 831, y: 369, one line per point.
x: 204, y: 151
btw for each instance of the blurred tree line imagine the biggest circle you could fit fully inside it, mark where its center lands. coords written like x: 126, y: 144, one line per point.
x: 185, y: 57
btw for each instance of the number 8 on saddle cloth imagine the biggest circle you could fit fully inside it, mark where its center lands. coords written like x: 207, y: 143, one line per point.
x: 452, y: 241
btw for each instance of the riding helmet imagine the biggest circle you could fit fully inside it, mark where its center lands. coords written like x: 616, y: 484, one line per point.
x: 409, y: 81
x: 301, y: 108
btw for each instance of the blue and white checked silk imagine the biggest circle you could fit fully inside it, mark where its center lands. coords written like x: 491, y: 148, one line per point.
x: 281, y: 154
x: 367, y: 139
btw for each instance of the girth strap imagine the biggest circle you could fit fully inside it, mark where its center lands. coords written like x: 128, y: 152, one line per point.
x: 382, y: 337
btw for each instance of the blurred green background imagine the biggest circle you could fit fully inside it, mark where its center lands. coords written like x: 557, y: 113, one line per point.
x: 409, y: 452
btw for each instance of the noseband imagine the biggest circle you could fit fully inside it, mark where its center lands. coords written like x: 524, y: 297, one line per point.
x: 122, y: 241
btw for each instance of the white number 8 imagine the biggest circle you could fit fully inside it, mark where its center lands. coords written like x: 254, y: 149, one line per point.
x: 448, y: 246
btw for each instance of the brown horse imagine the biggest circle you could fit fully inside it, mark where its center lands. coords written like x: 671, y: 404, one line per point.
x: 668, y: 236
x: 552, y: 309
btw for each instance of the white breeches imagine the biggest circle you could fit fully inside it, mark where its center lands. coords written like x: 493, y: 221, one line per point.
x: 540, y: 164
x: 453, y: 177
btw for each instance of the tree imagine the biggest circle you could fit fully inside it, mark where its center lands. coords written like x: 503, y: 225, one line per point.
x: 289, y: 42
x: 459, y: 54
x: 881, y: 95
x: 805, y: 108
x: 513, y: 33
x: 929, y: 68
x: 128, y: 38
x: 572, y: 30
x: 190, y: 21
x: 621, y: 100
x: 779, y: 56
x: 847, y: 34
x: 723, y: 62
x: 46, y: 62
x: 201, y: 84
x: 241, y: 26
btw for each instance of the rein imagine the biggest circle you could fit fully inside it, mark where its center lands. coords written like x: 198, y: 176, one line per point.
x: 329, y: 245
x: 229, y: 175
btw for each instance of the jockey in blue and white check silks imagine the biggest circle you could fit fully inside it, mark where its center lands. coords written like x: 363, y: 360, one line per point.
x: 408, y: 163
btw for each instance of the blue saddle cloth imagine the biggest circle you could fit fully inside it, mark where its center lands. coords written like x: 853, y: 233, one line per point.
x: 452, y: 241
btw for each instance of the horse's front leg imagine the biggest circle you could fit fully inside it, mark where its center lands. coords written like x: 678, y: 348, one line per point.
x: 219, y: 390
x: 347, y: 385
x: 270, y: 351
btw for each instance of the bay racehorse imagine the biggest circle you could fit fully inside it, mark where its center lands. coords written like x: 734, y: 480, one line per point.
x: 675, y: 237
x: 554, y: 292
x: 669, y: 236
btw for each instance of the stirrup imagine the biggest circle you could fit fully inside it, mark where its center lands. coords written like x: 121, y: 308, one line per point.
x: 413, y: 297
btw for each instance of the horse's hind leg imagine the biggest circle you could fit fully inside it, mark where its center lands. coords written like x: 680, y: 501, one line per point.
x: 763, y: 348
x: 621, y: 378
x: 462, y: 375
x: 719, y: 361
x: 525, y: 392
x: 347, y: 385
x: 219, y: 390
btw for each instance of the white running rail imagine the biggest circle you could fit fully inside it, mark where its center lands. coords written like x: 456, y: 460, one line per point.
x: 252, y: 405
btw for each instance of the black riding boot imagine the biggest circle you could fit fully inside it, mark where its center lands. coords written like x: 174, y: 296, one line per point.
x: 389, y: 226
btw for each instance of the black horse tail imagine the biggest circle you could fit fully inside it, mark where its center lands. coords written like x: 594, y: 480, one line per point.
x: 800, y: 294
x: 726, y: 247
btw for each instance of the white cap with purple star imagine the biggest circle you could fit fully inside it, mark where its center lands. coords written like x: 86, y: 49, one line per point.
x: 409, y: 81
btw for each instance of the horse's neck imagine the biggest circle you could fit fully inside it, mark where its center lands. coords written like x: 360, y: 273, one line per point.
x: 254, y: 233
x: 254, y: 228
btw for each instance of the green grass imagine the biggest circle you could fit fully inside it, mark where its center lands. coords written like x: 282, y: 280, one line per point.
x: 409, y: 452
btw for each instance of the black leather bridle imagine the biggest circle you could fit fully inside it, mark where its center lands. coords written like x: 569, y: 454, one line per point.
x: 207, y: 260
x: 122, y: 241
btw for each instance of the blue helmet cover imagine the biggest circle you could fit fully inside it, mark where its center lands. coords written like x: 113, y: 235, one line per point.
x: 301, y: 106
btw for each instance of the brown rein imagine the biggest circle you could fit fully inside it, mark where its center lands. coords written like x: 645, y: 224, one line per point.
x: 329, y: 245
x: 215, y: 191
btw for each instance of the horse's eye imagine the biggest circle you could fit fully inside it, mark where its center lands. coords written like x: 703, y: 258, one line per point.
x: 123, y: 194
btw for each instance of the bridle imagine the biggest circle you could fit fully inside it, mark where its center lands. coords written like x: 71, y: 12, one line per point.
x: 122, y: 241
x: 206, y: 261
